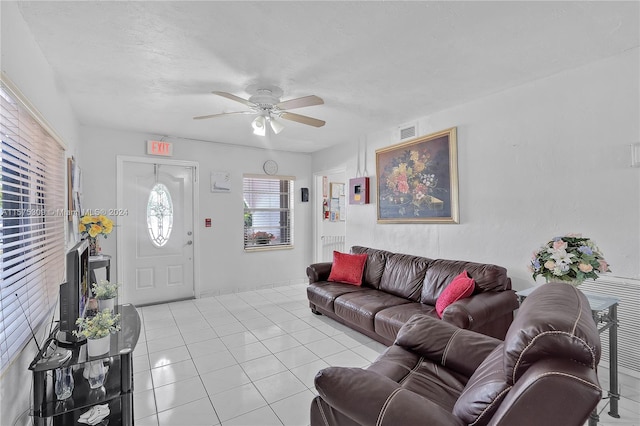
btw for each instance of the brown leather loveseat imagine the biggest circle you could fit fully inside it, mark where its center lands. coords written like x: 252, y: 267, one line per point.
x: 544, y: 373
x: 396, y: 286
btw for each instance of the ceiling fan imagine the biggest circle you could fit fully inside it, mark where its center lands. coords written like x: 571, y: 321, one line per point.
x: 265, y: 103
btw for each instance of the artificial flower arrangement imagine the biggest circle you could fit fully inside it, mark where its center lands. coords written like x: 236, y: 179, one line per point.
x: 105, y: 290
x: 100, y: 325
x: 570, y: 258
x: 95, y: 225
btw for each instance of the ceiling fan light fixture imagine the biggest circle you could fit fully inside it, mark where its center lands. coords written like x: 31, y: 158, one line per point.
x: 276, y: 126
x: 258, y: 125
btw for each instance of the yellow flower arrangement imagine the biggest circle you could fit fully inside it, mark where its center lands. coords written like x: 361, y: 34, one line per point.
x: 95, y: 225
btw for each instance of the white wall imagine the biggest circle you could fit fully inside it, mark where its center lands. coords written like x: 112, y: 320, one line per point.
x: 224, y: 266
x: 25, y: 67
x: 543, y: 159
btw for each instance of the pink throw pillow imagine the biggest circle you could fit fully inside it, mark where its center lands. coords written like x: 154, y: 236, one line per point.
x: 347, y: 268
x: 462, y: 286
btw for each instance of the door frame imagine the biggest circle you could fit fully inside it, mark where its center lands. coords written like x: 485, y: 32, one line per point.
x: 120, y: 160
x: 317, y: 206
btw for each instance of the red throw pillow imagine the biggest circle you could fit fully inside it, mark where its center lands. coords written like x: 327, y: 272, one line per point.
x: 462, y: 286
x: 347, y: 268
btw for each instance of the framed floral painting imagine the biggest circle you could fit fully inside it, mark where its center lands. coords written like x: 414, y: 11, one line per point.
x: 418, y: 180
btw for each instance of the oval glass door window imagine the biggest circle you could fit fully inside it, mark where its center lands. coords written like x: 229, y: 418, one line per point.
x: 159, y: 215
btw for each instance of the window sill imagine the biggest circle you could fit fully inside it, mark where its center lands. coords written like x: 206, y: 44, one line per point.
x: 268, y: 247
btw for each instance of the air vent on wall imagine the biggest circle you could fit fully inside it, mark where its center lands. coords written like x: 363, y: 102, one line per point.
x: 407, y: 131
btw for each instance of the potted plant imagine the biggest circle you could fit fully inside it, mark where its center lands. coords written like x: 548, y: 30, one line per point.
x: 106, y: 293
x: 92, y: 227
x: 97, y: 330
x: 262, y: 237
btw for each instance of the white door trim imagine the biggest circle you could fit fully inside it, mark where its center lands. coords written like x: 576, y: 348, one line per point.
x: 120, y: 160
x: 317, y: 206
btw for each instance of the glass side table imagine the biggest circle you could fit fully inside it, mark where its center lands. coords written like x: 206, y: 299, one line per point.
x: 604, y: 310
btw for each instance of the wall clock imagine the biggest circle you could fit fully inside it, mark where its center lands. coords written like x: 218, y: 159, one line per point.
x: 270, y: 167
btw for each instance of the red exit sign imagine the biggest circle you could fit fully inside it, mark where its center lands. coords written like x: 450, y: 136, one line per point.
x: 164, y: 149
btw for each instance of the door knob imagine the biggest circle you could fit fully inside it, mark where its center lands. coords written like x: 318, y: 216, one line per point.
x: 189, y: 242
x: 189, y: 233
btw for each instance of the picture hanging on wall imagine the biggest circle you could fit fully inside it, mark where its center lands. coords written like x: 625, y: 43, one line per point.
x: 418, y: 180
x: 221, y: 182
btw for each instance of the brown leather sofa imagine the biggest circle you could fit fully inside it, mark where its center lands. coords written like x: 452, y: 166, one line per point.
x: 396, y: 286
x: 544, y: 373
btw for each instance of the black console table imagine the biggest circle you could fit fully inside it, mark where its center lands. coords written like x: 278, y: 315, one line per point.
x: 118, y: 386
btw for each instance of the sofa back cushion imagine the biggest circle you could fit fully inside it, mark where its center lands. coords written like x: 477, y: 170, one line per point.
x: 403, y: 275
x: 441, y: 272
x: 376, y: 260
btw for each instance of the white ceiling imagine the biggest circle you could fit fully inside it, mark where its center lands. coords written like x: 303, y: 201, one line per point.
x: 151, y: 66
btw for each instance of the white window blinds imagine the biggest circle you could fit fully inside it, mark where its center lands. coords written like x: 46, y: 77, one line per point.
x: 268, y: 212
x: 31, y: 225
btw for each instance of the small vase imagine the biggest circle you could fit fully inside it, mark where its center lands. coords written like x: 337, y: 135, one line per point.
x: 94, y: 246
x: 106, y: 304
x: 64, y: 383
x: 95, y: 373
x: 97, y: 347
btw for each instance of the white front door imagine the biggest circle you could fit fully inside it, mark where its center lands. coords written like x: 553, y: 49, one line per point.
x: 156, y: 255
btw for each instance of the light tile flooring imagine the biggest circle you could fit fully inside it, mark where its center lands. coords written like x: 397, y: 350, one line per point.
x: 250, y: 359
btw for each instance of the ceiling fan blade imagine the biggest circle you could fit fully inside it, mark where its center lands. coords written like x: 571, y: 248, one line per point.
x: 302, y: 119
x: 300, y: 102
x: 234, y: 98
x: 202, y: 117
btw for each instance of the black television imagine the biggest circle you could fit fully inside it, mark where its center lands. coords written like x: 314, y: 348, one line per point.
x: 74, y: 293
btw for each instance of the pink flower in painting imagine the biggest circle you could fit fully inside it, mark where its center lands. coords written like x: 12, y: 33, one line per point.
x: 403, y: 186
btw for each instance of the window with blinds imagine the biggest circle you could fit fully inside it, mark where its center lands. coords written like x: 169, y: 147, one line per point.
x: 31, y: 225
x: 268, y: 212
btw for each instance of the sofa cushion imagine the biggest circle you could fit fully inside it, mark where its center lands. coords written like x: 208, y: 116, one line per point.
x: 403, y: 275
x: 441, y: 272
x: 374, y: 266
x: 389, y: 321
x: 347, y: 268
x: 428, y: 379
x: 361, y: 307
x: 462, y: 286
x: 324, y: 293
x: 532, y: 336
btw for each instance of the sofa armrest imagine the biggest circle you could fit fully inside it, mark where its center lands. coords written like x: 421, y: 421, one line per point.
x: 470, y: 312
x: 369, y: 398
x: 319, y: 271
x: 443, y: 343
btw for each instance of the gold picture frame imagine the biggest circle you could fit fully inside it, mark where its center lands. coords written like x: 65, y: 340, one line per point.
x: 418, y: 180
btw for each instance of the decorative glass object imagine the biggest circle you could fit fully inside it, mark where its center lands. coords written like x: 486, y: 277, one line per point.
x: 159, y: 215
x: 95, y: 373
x: 64, y: 383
